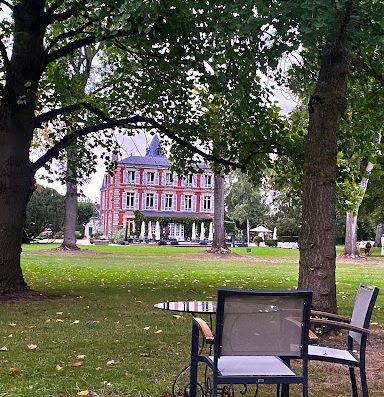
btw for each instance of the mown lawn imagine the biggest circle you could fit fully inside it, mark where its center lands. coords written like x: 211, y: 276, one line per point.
x: 102, y: 333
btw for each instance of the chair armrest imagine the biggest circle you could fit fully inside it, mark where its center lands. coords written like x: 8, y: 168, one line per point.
x: 204, y: 329
x: 330, y: 316
x: 339, y: 325
x: 313, y: 338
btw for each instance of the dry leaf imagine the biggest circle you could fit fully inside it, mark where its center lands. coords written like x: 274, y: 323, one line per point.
x: 177, y: 316
x: 12, y: 324
x: 145, y: 354
x: 159, y: 331
x: 83, y: 393
x: 59, y: 320
x: 81, y: 356
x: 77, y: 364
x: 16, y: 372
x: 4, y: 349
x: 58, y: 367
x: 166, y: 394
x: 112, y: 362
x: 48, y: 320
x: 76, y: 322
x: 32, y: 346
x: 147, y: 328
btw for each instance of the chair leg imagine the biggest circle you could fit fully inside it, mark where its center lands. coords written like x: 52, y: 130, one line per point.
x: 353, y: 381
x: 194, y: 363
x: 364, y: 385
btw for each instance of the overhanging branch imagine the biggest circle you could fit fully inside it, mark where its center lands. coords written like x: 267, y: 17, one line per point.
x: 48, y: 116
x: 129, y: 122
x: 361, y: 63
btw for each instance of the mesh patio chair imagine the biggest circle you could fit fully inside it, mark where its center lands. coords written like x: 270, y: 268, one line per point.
x: 257, y: 334
x: 357, y: 327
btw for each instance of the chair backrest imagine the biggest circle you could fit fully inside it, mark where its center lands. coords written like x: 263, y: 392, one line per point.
x: 363, y: 308
x: 262, y: 323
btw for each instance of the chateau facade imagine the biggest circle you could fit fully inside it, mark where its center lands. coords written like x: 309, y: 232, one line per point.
x: 145, y: 185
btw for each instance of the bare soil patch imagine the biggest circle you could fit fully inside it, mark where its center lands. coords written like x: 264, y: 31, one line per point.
x: 28, y: 295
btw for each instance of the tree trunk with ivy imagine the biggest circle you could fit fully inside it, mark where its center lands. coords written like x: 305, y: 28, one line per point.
x: 318, y: 231
x: 219, y: 243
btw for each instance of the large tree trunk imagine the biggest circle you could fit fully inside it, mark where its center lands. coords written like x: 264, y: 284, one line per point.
x: 350, y: 247
x: 219, y: 244
x: 318, y: 232
x: 70, y: 220
x: 16, y: 132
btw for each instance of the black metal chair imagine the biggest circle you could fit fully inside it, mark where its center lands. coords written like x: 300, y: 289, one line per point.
x: 257, y: 334
x: 358, y: 333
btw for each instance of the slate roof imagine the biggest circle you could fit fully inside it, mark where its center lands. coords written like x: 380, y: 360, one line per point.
x: 167, y: 214
x: 154, y: 157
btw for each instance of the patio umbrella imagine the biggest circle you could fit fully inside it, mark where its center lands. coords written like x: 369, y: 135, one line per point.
x: 193, y: 231
x: 210, y: 234
x: 150, y: 236
x: 202, y: 231
x: 274, y: 234
x: 142, y: 231
x: 157, y: 231
x: 261, y: 229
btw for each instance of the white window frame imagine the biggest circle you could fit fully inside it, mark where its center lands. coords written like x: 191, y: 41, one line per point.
x: 206, y: 200
x: 129, y: 177
x: 188, y: 198
x: 168, y: 202
x: 149, y: 180
x: 169, y: 179
x: 150, y: 197
x: 208, y: 177
x: 130, y: 196
x: 188, y: 180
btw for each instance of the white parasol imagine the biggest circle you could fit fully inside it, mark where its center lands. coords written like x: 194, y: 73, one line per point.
x: 210, y: 234
x: 157, y: 231
x: 202, y: 232
x: 142, y: 231
x: 274, y: 237
x: 150, y: 236
x: 193, y: 231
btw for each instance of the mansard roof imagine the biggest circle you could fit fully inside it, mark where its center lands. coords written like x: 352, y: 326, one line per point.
x: 154, y: 157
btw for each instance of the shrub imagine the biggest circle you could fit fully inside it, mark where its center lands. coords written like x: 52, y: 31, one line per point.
x: 271, y: 243
x: 78, y: 234
x: 118, y: 237
x: 257, y: 239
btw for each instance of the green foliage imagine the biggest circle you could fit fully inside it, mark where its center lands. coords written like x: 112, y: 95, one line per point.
x: 271, y: 243
x: 257, y: 239
x: 44, y: 210
x: 243, y: 201
x: 85, y: 211
x: 118, y: 237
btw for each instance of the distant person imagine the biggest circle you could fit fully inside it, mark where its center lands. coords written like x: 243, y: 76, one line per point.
x: 367, y: 248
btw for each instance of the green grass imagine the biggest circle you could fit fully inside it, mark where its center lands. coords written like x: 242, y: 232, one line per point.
x: 105, y: 312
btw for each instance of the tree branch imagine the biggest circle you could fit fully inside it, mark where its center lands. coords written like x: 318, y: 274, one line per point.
x: 3, y: 52
x: 67, y: 35
x: 6, y: 3
x: 361, y: 63
x: 45, y: 117
x: 138, y: 122
x: 70, y: 47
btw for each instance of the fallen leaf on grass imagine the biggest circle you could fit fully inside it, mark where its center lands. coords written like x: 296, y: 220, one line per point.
x: 76, y: 322
x: 4, y: 349
x: 145, y: 354
x: 166, y: 394
x: 16, y: 372
x: 77, y: 364
x: 32, y: 346
x: 81, y: 356
x: 177, y: 316
x: 112, y: 362
x: 12, y: 324
x: 83, y: 393
x: 59, y: 320
x: 159, y: 331
x: 58, y: 367
x: 147, y: 328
